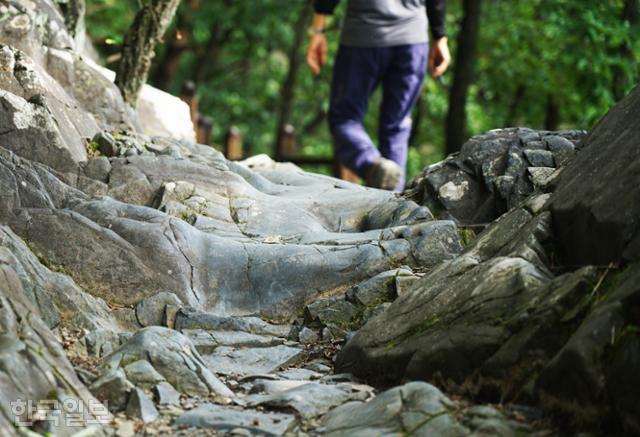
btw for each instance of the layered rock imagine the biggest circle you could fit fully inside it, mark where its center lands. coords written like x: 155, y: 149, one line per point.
x: 39, y: 389
x: 542, y: 306
x: 284, y: 240
x: 493, y: 173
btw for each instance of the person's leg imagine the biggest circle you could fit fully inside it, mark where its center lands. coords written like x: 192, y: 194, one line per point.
x: 401, y: 84
x: 356, y: 73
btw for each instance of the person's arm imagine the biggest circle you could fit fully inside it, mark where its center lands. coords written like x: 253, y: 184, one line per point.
x: 439, y: 55
x: 317, y: 50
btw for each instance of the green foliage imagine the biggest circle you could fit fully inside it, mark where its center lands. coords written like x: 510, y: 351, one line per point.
x: 534, y: 56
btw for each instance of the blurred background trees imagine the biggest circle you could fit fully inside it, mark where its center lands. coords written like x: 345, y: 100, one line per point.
x: 546, y: 64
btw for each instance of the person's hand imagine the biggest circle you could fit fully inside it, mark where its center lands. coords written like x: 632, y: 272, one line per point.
x: 439, y: 57
x: 317, y: 52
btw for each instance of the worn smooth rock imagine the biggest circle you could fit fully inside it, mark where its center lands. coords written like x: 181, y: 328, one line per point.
x: 165, y: 394
x: 151, y: 311
x: 141, y: 407
x: 415, y: 408
x: 247, y: 361
x: 142, y: 374
x: 308, y: 400
x: 173, y: 356
x: 225, y: 419
x: 113, y: 388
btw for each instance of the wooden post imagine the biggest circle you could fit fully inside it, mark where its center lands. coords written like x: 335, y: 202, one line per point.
x: 287, y: 146
x: 233, y: 144
x: 203, y: 133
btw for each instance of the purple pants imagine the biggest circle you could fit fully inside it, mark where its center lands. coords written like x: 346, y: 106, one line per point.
x: 356, y: 74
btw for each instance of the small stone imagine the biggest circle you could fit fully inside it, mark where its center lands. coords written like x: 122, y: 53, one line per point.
x: 536, y: 204
x: 561, y: 147
x: 142, y: 374
x: 540, y: 176
x: 539, y: 158
x: 7, y: 61
x: 98, y: 169
x: 170, y: 312
x: 112, y: 388
x: 165, y: 394
x: 141, y: 407
x: 333, y: 310
x: 308, y: 336
x: 101, y: 342
x: 107, y: 145
x: 404, y: 283
x: 333, y: 333
x: 151, y: 311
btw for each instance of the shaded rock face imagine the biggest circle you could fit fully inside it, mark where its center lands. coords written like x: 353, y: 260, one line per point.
x: 528, y: 312
x: 598, y: 196
x: 493, y: 173
x: 32, y: 363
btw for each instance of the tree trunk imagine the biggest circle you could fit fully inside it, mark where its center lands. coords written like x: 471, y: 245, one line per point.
x: 512, y: 113
x: 295, y: 61
x: 462, y: 76
x: 140, y: 42
x: 179, y: 42
x: 552, y: 114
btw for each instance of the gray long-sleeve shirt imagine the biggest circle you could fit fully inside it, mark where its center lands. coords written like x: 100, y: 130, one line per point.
x: 383, y: 23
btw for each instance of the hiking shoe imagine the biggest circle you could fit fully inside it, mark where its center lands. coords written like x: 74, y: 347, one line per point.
x: 384, y: 174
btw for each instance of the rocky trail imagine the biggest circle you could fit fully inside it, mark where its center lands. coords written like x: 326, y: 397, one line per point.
x: 149, y: 286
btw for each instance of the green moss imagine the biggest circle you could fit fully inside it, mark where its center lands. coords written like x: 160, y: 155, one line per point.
x: 466, y: 236
x: 93, y: 146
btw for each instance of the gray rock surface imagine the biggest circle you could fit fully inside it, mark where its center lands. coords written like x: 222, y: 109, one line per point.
x: 226, y: 419
x: 151, y: 311
x: 529, y: 312
x: 141, y: 407
x: 598, y: 196
x: 34, y: 366
x: 415, y: 409
x: 56, y: 296
x: 173, y: 356
x: 113, y: 388
x: 489, y: 176
x: 130, y: 252
x: 142, y: 374
x: 165, y: 394
x: 251, y: 361
x: 308, y: 400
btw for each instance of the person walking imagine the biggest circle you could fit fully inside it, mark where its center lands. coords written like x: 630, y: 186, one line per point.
x: 383, y: 42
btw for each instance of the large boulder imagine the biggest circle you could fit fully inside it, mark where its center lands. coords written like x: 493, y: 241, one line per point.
x: 596, y: 210
x: 542, y: 307
x: 493, y: 173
